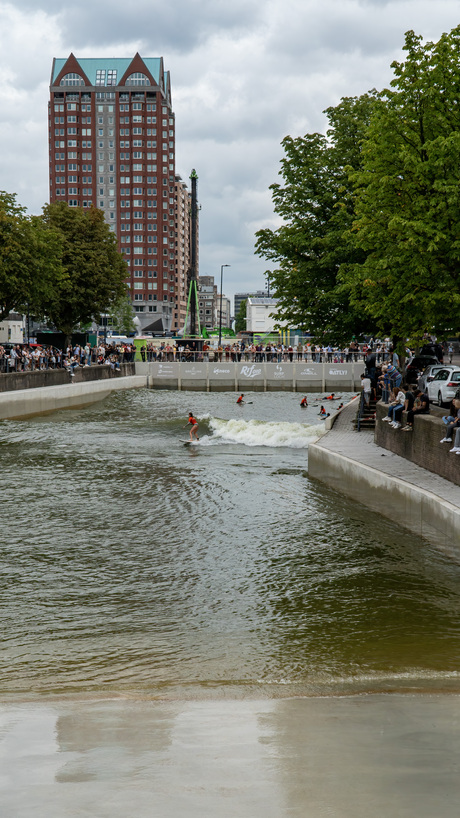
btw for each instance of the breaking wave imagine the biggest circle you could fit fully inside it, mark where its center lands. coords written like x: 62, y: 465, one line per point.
x: 260, y: 433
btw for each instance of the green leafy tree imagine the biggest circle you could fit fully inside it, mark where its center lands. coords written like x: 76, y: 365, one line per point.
x: 316, y: 204
x: 122, y: 315
x: 240, y: 320
x: 30, y: 260
x: 95, y: 270
x: 407, y: 196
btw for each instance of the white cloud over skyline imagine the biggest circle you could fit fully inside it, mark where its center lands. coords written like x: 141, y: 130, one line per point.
x: 243, y: 75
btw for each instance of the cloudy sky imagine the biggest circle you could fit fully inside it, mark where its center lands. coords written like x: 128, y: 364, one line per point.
x: 244, y: 74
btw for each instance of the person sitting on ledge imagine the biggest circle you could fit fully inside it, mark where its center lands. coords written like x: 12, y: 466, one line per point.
x: 396, y: 406
x: 456, y: 447
x: 452, y: 421
x: 421, y: 407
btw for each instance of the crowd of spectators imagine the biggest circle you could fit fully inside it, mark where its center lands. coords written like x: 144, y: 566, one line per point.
x: 34, y: 357
x: 386, y: 384
x: 258, y: 353
x: 375, y: 355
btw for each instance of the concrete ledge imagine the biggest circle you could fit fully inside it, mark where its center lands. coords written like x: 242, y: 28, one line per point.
x: 329, y: 422
x: 422, y: 446
x: 409, y: 505
x: 16, y: 381
x: 26, y: 403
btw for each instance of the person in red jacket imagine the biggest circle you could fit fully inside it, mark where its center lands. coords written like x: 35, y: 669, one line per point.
x: 240, y: 399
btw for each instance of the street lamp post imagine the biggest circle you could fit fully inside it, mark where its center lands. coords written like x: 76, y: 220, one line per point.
x: 220, y: 311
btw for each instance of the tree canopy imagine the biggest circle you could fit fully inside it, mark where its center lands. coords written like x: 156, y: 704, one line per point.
x: 370, y: 239
x: 30, y: 260
x: 316, y: 204
x: 95, y: 270
x: 407, y: 197
x: 240, y: 319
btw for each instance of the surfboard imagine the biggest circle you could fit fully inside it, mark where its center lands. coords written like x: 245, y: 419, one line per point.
x: 189, y: 442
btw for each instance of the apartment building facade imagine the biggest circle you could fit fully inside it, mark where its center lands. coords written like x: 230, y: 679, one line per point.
x: 112, y: 145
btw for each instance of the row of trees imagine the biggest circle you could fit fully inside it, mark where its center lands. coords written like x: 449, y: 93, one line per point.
x: 370, y: 239
x: 62, y: 266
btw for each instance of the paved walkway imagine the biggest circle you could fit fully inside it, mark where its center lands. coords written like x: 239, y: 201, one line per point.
x: 360, y: 447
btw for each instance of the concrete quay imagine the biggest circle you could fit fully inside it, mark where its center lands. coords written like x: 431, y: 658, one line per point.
x: 24, y: 403
x: 351, y: 463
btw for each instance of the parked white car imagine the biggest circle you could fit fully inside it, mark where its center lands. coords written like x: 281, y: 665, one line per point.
x: 428, y: 374
x: 444, y: 385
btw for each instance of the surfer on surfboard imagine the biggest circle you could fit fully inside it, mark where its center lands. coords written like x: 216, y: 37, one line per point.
x: 194, y: 426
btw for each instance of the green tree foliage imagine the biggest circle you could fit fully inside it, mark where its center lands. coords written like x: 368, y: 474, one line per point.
x: 240, y: 320
x: 316, y: 205
x: 121, y: 316
x: 408, y: 197
x: 95, y: 270
x: 30, y: 260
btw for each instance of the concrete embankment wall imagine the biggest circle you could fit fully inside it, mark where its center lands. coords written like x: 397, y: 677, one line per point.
x: 14, y: 381
x: 421, y: 446
x: 29, y: 402
x: 408, y: 505
x: 299, y: 376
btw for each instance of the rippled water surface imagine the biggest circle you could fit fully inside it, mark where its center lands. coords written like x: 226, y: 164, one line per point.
x: 131, y: 563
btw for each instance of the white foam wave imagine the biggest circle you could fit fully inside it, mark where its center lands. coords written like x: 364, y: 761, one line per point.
x: 260, y: 433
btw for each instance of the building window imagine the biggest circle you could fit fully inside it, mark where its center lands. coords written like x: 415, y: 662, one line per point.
x: 112, y: 76
x: 72, y: 79
x: 137, y: 79
x: 100, y: 76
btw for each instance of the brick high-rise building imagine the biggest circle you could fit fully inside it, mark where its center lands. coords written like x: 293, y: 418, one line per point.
x: 112, y: 145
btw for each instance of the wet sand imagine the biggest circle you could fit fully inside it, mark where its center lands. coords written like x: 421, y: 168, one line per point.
x: 354, y: 757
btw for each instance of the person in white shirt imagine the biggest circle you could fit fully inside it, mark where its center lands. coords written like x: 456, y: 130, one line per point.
x: 367, y: 388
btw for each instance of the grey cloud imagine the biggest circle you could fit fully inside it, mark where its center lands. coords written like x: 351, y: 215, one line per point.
x: 160, y: 27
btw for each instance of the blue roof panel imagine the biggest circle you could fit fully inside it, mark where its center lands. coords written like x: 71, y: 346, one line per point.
x: 119, y: 64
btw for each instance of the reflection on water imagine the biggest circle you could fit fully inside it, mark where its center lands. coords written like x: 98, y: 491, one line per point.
x: 133, y: 564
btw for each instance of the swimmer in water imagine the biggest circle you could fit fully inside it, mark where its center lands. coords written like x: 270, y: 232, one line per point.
x: 304, y: 402
x: 240, y: 400
x: 194, y: 426
x: 322, y: 412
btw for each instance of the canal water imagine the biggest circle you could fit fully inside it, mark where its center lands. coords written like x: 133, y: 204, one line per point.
x: 134, y: 565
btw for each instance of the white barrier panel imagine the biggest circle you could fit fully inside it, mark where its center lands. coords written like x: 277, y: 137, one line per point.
x: 221, y: 372
x: 298, y: 375
x: 250, y: 373
x: 193, y: 372
x: 340, y: 376
x: 309, y: 372
x: 164, y: 371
